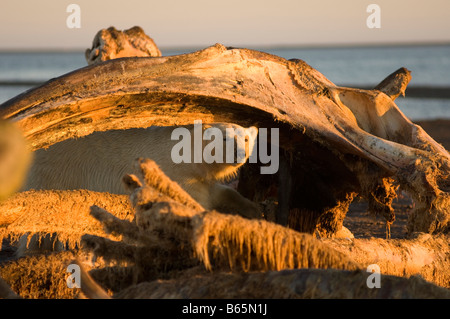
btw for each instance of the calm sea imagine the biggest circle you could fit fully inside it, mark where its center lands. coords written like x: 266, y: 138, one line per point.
x: 349, y: 66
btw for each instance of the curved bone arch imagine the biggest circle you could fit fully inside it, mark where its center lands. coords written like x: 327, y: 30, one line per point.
x: 335, y: 142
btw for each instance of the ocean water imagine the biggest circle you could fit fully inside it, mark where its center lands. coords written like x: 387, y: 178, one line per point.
x: 345, y: 66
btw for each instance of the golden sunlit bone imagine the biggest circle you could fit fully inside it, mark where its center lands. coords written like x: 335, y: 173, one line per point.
x: 111, y: 44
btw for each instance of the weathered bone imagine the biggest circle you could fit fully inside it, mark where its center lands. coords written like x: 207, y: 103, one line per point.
x: 111, y: 44
x: 344, y: 140
x: 396, y: 83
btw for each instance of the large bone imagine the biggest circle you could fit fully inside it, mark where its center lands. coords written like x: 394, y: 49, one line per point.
x: 359, y: 136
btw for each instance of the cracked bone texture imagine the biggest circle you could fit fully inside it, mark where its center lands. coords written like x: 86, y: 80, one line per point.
x: 111, y: 44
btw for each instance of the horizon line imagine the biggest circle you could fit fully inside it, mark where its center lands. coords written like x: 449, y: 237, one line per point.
x: 193, y: 47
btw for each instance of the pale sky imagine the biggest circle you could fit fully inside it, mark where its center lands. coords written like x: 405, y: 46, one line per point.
x: 30, y: 24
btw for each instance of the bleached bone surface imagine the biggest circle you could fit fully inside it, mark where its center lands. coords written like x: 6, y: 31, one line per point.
x: 358, y: 138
